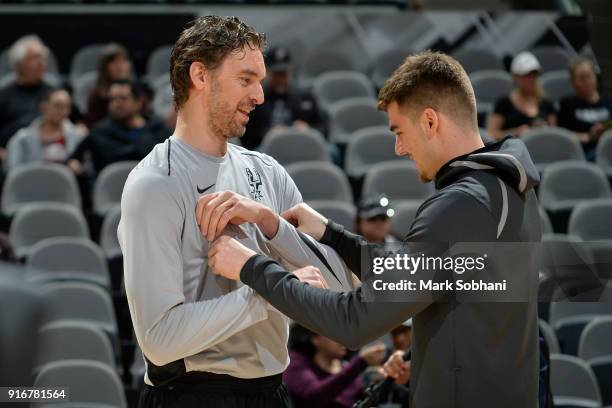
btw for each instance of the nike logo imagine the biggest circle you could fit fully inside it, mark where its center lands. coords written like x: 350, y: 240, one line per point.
x: 203, y: 190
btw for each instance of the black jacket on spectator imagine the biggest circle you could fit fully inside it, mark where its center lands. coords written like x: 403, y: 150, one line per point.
x: 514, y: 118
x: 281, y: 109
x: 579, y: 115
x: 19, y: 106
x: 111, y: 142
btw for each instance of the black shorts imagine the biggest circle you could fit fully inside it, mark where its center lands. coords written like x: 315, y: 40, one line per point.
x: 197, y: 389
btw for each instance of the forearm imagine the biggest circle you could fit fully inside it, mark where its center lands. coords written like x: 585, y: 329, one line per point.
x: 188, y: 328
x: 344, y: 317
x: 350, y: 247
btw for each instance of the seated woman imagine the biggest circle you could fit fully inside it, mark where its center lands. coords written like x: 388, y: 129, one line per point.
x: 113, y: 65
x: 586, y: 113
x: 526, y: 106
x: 50, y: 138
x: 317, y: 377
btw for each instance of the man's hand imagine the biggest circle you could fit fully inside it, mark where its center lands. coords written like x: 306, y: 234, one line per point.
x: 306, y: 220
x: 227, y: 256
x: 312, y: 276
x: 214, y: 211
x: 373, y: 355
x: 397, y: 368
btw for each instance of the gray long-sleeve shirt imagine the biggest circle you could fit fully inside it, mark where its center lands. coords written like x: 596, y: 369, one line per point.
x: 180, y: 309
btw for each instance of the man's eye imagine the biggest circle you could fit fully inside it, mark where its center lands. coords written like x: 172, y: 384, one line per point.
x: 245, y: 81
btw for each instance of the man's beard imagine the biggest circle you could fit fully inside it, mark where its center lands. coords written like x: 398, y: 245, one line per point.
x: 222, y: 117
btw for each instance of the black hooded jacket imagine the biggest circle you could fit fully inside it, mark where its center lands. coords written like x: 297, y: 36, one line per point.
x: 465, y: 353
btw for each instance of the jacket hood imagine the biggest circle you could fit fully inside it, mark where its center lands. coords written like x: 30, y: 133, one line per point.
x: 508, y: 158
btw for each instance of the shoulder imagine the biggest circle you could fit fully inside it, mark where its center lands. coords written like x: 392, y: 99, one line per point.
x: 461, y: 211
x: 253, y: 156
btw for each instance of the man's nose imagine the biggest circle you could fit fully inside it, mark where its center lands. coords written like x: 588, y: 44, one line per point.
x: 258, y: 97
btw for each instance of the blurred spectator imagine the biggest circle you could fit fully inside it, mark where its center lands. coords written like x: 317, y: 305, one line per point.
x: 374, y: 219
x: 526, y: 106
x: 51, y: 137
x: 19, y: 101
x: 113, y: 65
x: 586, y: 113
x: 401, y: 336
x: 284, y: 104
x: 316, y: 375
x: 124, y: 135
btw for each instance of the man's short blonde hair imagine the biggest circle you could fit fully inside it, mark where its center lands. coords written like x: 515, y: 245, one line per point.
x: 435, y: 80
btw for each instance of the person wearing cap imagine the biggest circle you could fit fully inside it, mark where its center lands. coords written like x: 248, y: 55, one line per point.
x: 284, y: 103
x: 526, y: 106
x: 374, y: 219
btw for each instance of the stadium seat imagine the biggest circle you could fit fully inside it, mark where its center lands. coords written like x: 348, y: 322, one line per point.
x: 489, y: 86
x: 367, y: 147
x: 551, y: 144
x: 89, y: 382
x: 402, y: 218
x: 69, y: 258
x: 83, y: 302
x: 474, y: 60
x: 569, y: 315
x: 340, y: 212
x: 399, y: 180
x: 552, y: 58
x: 158, y: 63
x: 334, y: 86
x: 82, y: 87
x: 318, y: 62
x: 596, y: 349
x: 603, y: 156
x: 591, y: 222
x: 567, y: 183
x: 84, y: 60
x: 557, y: 84
x: 573, y: 383
x: 73, y: 339
x: 320, y: 181
x: 385, y: 64
x: 39, y: 182
x: 109, y: 186
x: 349, y: 115
x: 293, y: 145
x: 545, y: 220
x: 38, y: 221
x: 550, y: 337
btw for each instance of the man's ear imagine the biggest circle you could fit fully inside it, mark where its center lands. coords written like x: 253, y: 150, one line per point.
x: 430, y: 122
x: 197, y: 73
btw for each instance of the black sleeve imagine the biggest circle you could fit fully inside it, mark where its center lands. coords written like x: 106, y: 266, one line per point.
x: 344, y: 317
x: 547, y: 108
x: 502, y: 106
x: 81, y: 149
x: 349, y: 246
x: 354, y: 318
x: 566, y: 118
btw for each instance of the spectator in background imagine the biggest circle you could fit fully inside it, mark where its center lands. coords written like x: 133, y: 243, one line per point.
x: 401, y: 336
x: 124, y: 135
x: 113, y: 65
x: 586, y: 113
x: 50, y: 138
x: 374, y: 219
x: 316, y: 376
x: 526, y: 106
x: 284, y: 104
x: 19, y: 101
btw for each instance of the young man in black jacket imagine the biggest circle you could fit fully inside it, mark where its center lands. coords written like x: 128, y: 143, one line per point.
x: 469, y: 349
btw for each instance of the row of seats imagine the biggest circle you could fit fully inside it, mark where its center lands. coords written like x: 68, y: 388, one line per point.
x: 313, y: 64
x: 395, y: 3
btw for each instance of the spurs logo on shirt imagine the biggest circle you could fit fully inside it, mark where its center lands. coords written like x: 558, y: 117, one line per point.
x: 255, y: 183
